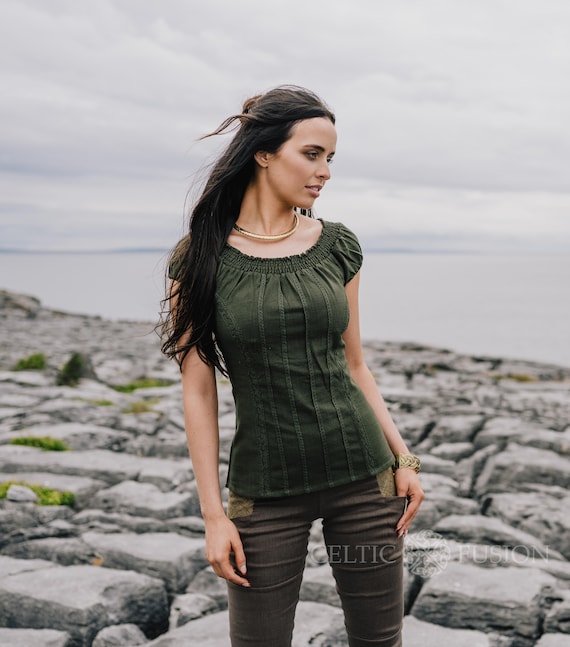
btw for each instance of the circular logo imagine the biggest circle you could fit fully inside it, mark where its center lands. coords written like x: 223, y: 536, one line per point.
x: 425, y: 553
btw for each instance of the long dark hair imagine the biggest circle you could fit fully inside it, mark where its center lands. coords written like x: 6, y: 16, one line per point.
x: 264, y: 124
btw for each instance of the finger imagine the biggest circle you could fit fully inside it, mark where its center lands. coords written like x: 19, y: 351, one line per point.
x: 230, y: 575
x: 403, y: 523
x: 405, y: 520
x: 239, y: 556
x: 225, y: 570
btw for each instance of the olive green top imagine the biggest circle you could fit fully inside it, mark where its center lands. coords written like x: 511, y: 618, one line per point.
x: 302, y: 423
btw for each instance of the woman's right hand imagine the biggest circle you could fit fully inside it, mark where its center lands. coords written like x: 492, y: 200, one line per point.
x: 222, y: 539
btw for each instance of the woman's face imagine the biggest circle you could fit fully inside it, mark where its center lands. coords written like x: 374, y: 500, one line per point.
x: 297, y: 172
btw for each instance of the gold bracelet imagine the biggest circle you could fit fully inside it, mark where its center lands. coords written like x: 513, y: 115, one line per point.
x: 407, y: 460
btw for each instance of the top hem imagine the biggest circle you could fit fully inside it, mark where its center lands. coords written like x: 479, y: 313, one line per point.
x: 311, y: 489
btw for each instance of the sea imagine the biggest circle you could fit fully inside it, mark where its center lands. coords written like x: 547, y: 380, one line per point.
x: 513, y: 305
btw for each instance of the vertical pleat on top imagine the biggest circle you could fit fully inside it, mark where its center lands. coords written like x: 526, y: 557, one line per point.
x: 302, y: 424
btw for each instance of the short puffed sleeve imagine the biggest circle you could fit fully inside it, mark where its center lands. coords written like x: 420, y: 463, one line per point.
x: 347, y: 252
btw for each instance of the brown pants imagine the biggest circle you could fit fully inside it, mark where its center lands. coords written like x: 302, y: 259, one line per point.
x: 363, y: 550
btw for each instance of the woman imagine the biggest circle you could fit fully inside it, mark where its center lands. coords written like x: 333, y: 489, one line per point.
x: 270, y: 295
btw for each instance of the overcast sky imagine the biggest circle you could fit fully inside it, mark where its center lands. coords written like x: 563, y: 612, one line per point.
x: 453, y: 115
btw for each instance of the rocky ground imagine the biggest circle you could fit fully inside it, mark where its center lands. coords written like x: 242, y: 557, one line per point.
x: 487, y: 561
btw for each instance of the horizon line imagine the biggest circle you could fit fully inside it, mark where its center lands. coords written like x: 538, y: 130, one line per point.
x: 366, y: 249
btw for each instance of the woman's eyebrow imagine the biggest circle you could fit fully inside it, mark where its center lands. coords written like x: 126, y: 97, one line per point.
x: 318, y: 147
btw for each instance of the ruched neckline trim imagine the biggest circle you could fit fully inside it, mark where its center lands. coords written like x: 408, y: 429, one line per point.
x: 318, y: 252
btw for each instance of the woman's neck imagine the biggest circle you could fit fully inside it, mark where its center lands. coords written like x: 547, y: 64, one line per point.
x: 264, y: 214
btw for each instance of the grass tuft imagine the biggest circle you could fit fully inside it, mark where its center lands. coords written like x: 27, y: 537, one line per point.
x: 141, y: 406
x: 521, y: 377
x: 35, y: 362
x: 46, y: 495
x: 43, y: 442
x: 141, y: 383
x: 71, y: 371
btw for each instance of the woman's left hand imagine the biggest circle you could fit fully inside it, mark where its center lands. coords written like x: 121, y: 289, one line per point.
x: 408, y: 485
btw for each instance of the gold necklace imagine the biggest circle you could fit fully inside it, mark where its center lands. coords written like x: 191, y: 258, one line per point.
x: 250, y: 234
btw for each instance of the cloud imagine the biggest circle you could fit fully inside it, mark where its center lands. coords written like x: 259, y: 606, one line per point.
x: 452, y: 117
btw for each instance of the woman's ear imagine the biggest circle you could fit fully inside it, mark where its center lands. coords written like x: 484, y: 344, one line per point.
x: 262, y: 158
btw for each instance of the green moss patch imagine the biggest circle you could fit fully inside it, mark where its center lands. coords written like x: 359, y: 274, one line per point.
x: 35, y: 362
x: 46, y: 495
x: 43, y: 442
x: 141, y: 406
x: 521, y: 377
x: 142, y: 383
x: 71, y: 371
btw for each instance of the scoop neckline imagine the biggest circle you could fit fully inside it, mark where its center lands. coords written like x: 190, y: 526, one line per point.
x: 276, y: 258
x: 316, y: 252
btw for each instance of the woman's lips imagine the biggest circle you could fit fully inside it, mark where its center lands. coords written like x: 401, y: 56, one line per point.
x: 314, y: 190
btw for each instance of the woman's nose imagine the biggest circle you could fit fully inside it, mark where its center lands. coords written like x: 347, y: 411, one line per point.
x: 325, y: 171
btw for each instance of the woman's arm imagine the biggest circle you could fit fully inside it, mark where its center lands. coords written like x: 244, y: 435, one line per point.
x: 407, y: 481
x: 200, y: 398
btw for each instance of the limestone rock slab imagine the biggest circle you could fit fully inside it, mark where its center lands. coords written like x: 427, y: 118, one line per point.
x: 412, y: 426
x: 208, y: 583
x: 487, y: 599
x: 144, y: 500
x: 453, y: 451
x: 437, y: 506
x: 82, y: 487
x: 459, y: 428
x: 544, y: 516
x: 13, y: 566
x: 21, y: 494
x: 79, y: 436
x: 149, y: 422
x: 192, y: 525
x: 64, y: 551
x: 481, y: 529
x: 210, y: 631
x: 15, y: 517
x: 64, y: 406
x: 98, y: 520
x: 437, y: 465
x: 119, y: 636
x: 15, y: 398
x: 190, y: 606
x: 502, y: 430
x: 427, y: 634
x: 554, y: 640
x: 173, y: 558
x: 165, y: 444
x: 318, y: 625
x: 558, y: 617
x: 518, y: 464
x: 10, y: 412
x: 469, y: 468
x: 34, y: 638
x: 82, y: 600
x: 318, y: 585
x: 103, y: 464
x: 25, y: 378
x: 165, y: 473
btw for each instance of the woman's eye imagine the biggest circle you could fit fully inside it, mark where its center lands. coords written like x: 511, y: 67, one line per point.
x: 330, y: 160
x: 312, y: 155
